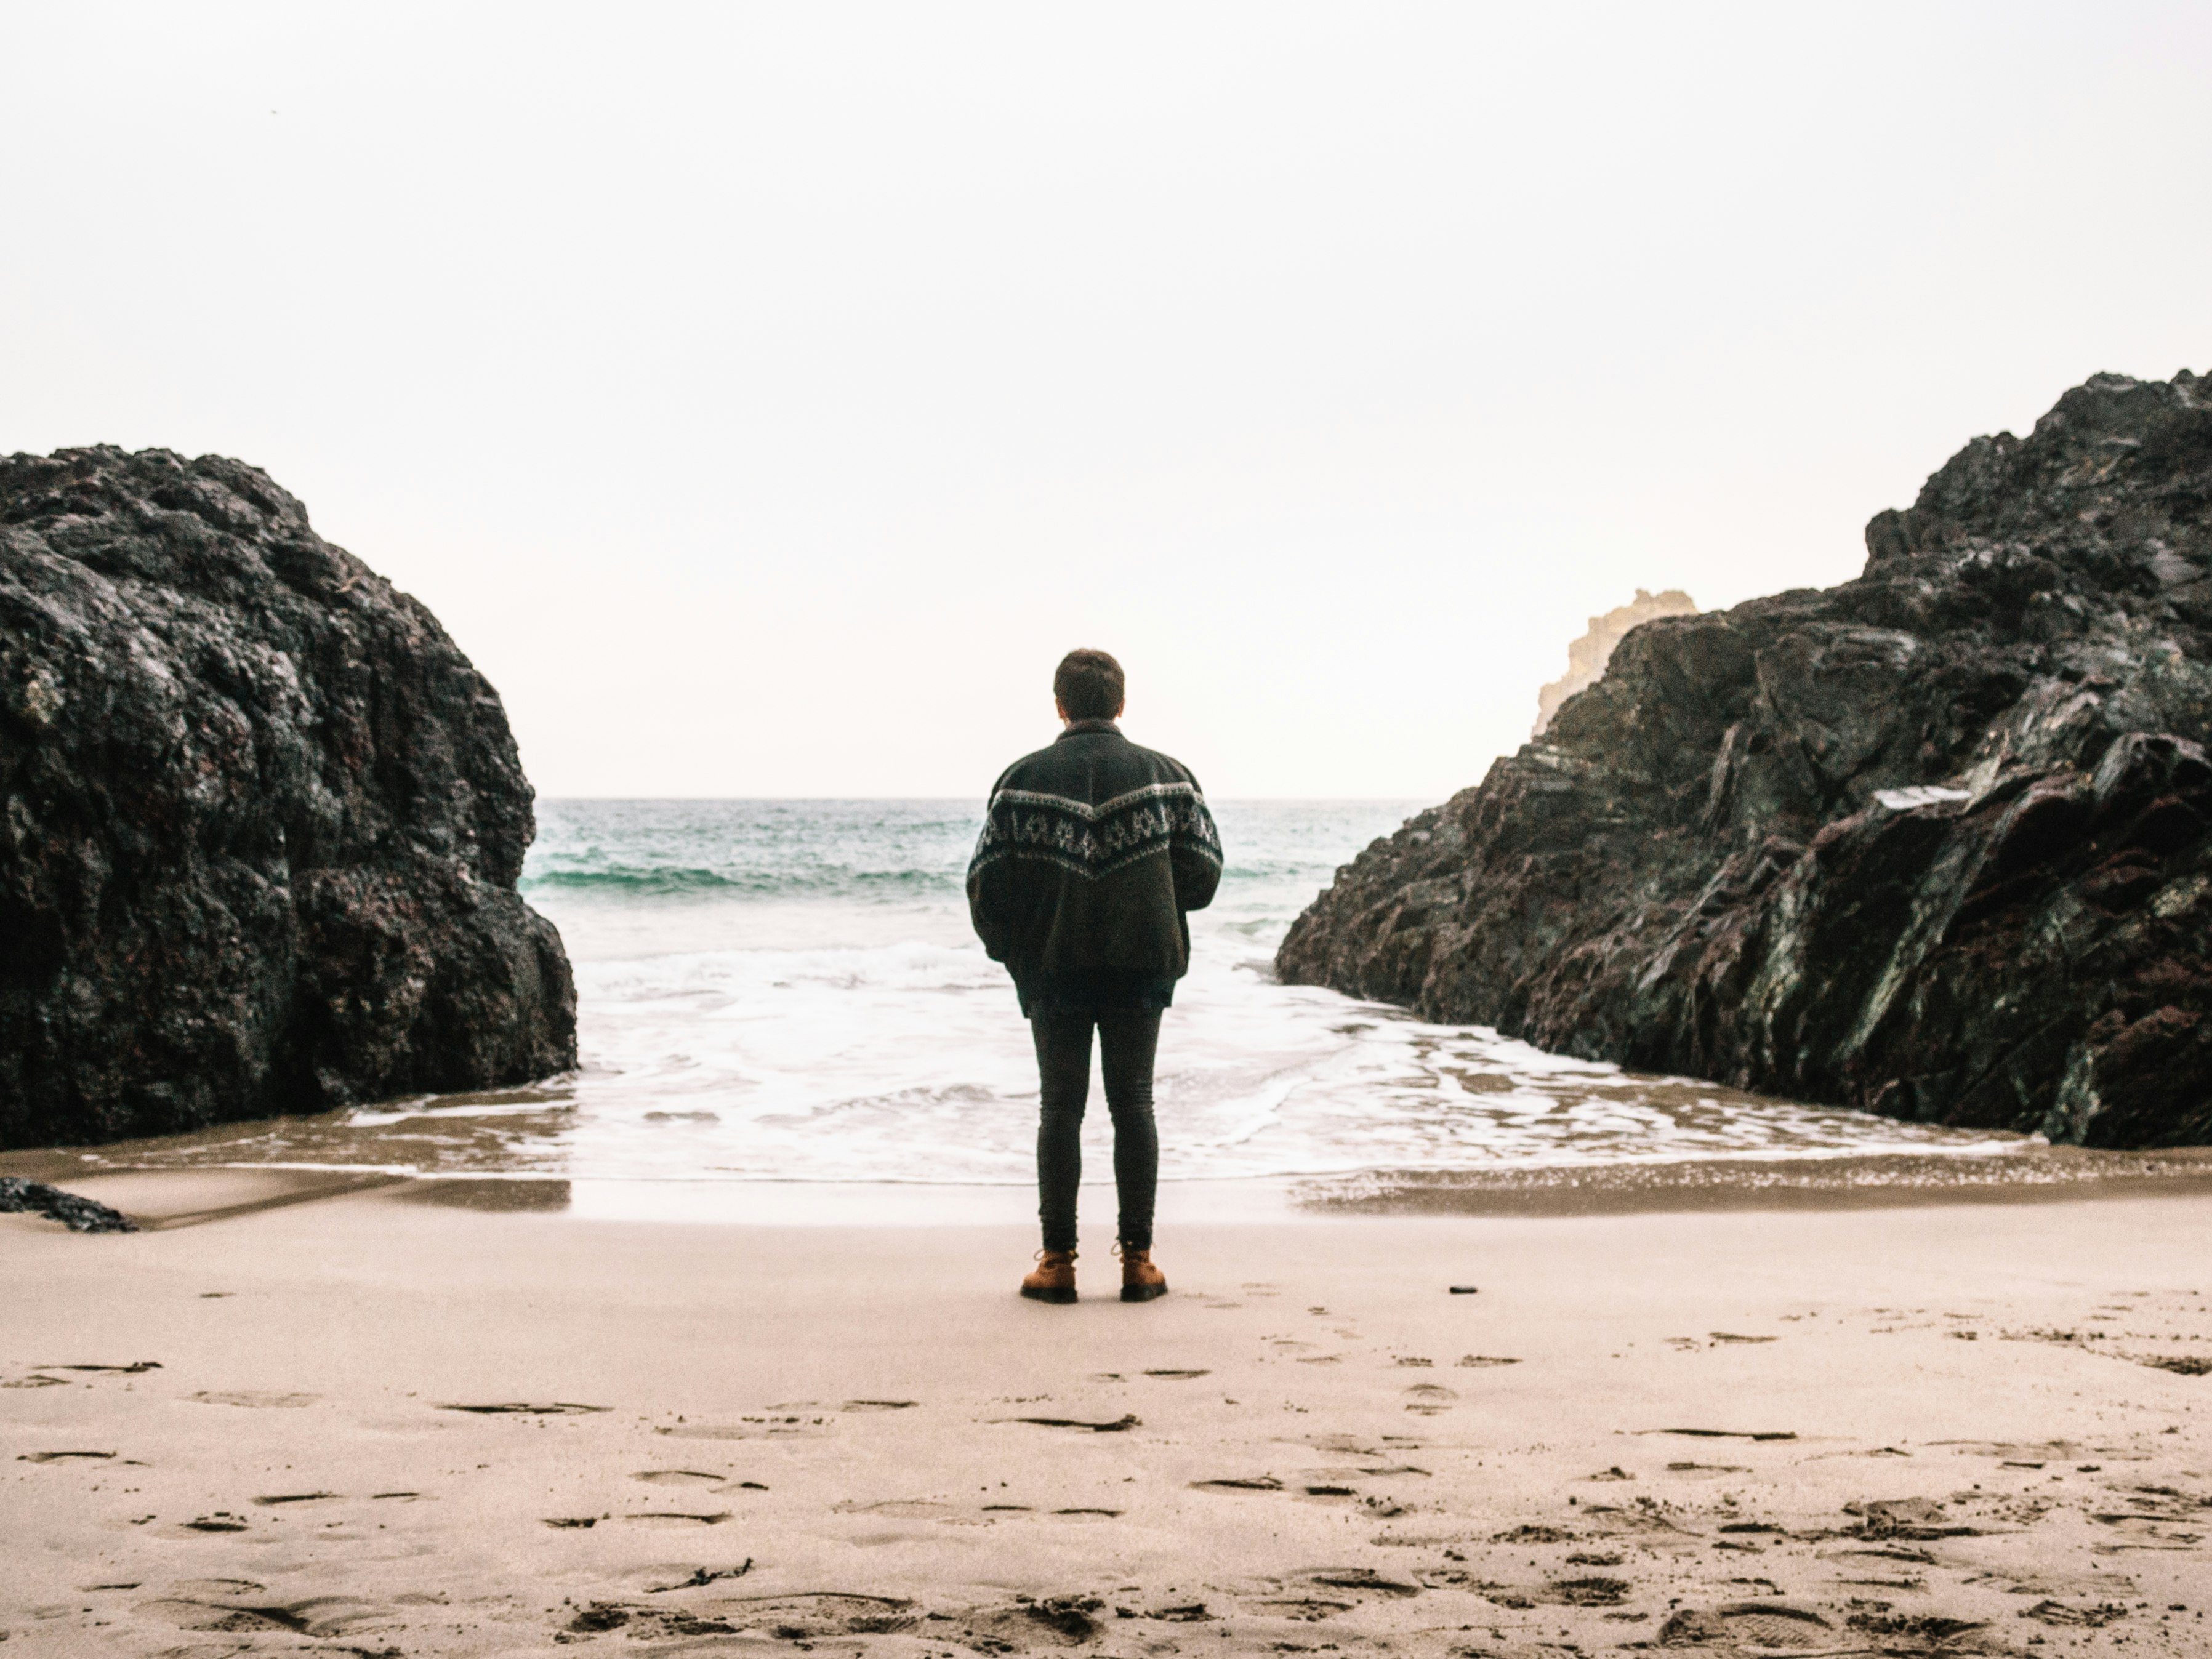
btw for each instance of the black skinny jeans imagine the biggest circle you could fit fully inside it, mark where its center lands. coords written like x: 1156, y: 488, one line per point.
x: 1127, y: 1038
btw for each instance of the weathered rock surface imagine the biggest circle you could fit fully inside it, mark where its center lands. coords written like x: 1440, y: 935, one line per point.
x: 78, y: 1214
x: 1588, y: 656
x: 1932, y: 842
x: 260, y: 820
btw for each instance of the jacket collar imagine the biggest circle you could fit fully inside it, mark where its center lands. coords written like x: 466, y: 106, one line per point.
x: 1084, y: 728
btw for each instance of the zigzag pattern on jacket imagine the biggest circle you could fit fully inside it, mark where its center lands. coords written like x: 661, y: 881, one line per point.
x: 1093, y: 841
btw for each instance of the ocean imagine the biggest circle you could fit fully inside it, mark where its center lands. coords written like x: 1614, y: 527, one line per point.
x: 788, y: 992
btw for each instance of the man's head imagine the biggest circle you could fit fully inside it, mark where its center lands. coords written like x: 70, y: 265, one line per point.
x: 1087, y: 685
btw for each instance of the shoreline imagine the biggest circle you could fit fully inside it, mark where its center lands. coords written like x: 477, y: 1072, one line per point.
x: 158, y: 1196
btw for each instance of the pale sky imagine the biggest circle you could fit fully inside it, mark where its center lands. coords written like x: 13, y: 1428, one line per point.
x: 766, y: 396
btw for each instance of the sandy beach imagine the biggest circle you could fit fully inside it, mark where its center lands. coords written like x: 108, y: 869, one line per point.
x: 375, y: 1424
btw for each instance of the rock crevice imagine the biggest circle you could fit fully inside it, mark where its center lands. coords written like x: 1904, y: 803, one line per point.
x: 1932, y: 842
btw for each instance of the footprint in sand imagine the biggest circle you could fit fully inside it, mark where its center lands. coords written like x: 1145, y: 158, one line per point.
x: 1239, y: 1484
x: 230, y: 1613
x: 1593, y: 1591
x: 1310, y: 1609
x: 1765, y: 1626
x: 785, y: 1428
x: 1121, y: 1425
x: 135, y: 1368
x: 220, y: 1521
x: 809, y: 1615
x: 1363, y: 1579
x: 1427, y: 1399
x: 900, y: 1509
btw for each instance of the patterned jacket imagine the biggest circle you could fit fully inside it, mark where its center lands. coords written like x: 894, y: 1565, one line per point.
x: 1092, y: 853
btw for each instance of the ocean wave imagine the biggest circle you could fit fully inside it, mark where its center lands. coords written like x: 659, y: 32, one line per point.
x: 668, y: 881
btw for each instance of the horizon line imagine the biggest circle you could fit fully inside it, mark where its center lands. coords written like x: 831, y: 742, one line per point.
x: 1270, y: 800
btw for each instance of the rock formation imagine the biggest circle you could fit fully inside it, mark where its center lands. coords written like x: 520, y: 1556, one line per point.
x: 1932, y: 842
x: 1588, y: 656
x: 260, y: 820
x: 78, y: 1214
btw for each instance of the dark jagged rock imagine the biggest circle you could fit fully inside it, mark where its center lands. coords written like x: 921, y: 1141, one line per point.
x: 260, y: 820
x: 79, y: 1215
x: 1933, y: 842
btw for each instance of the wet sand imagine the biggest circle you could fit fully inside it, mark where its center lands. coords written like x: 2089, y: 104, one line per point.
x: 2034, y: 1173
x: 301, y: 1418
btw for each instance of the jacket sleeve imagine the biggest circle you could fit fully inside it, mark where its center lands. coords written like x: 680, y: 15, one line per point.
x: 1194, y: 850
x: 987, y: 872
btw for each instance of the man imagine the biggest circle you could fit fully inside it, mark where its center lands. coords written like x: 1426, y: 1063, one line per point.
x: 1092, y: 853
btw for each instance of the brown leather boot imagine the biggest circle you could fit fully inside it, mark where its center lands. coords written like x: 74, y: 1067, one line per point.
x: 1053, y: 1279
x: 1140, y: 1280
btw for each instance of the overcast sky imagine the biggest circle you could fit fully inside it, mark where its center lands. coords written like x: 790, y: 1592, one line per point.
x: 766, y: 396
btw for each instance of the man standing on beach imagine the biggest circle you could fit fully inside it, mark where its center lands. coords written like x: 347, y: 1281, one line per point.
x: 1092, y: 853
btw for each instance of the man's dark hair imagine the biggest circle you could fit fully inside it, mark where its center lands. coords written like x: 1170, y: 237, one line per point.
x: 1089, y: 685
